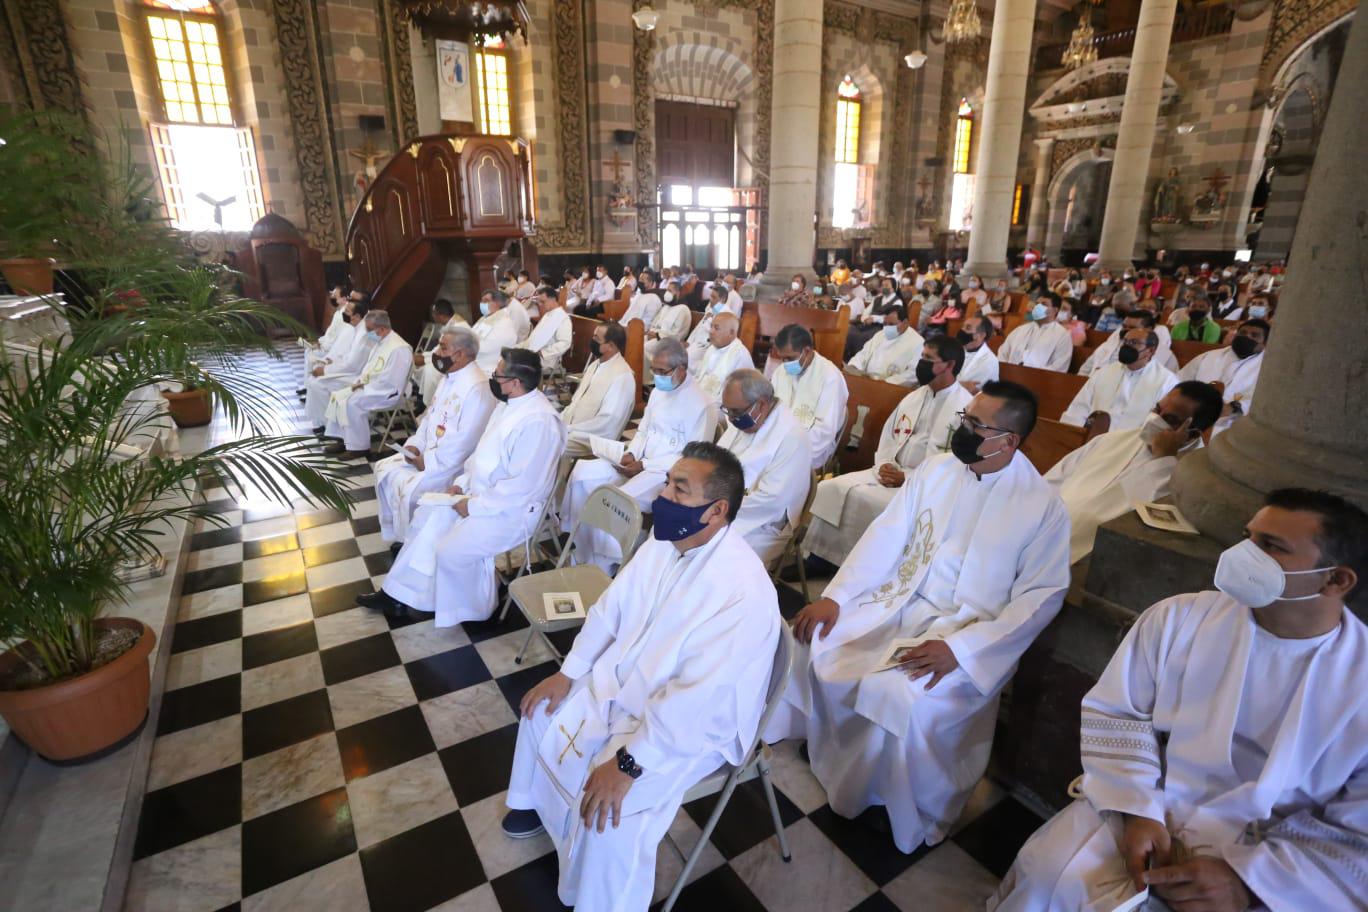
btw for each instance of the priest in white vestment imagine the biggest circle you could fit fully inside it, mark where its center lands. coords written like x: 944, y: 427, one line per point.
x: 724, y: 355
x: 379, y: 385
x: 919, y: 428
x: 719, y: 302
x: 449, y: 430
x: 960, y: 573
x: 1225, y: 747
x: 600, y: 292
x: 1126, y: 390
x: 551, y: 337
x: 496, y: 329
x: 665, y: 684
x: 447, y: 563
x: 1043, y: 343
x: 350, y: 354
x: 813, y: 389
x: 339, y: 332
x: 645, y: 304
x: 1235, y: 368
x: 672, y: 321
x: 443, y: 314
x: 1110, y: 350
x: 678, y: 412
x: 980, y: 362
x: 606, y: 395
x: 773, y: 447
x: 1107, y: 476
x: 890, y: 355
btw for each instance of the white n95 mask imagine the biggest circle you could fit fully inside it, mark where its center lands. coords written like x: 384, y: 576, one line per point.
x: 1253, y: 578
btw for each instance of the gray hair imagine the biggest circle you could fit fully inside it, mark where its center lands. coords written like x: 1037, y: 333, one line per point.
x: 674, y: 353
x: 379, y: 319
x: 463, y: 340
x: 753, y: 384
x: 498, y: 297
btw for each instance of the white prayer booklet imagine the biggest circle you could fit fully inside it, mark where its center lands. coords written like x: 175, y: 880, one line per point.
x: 891, y: 657
x: 397, y: 447
x: 1165, y: 517
x: 1135, y: 902
x: 611, y: 450
x: 563, y: 606
x: 442, y: 499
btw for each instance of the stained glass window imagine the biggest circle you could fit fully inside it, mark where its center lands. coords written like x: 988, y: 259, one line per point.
x: 496, y: 109
x: 964, y: 136
x: 189, y: 61
x: 847, y: 122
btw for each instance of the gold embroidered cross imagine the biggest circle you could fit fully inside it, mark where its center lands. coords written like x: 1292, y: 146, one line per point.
x: 570, y: 744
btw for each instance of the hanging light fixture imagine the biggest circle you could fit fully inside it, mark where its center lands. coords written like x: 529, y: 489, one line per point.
x: 915, y: 60
x: 962, y: 23
x: 645, y: 18
x: 1081, y: 50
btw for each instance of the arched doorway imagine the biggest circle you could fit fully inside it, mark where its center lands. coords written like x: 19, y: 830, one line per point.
x: 1078, y: 201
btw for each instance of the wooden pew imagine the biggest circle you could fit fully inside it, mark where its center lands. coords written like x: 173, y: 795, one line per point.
x: 615, y: 308
x: 750, y: 326
x: 828, y: 327
x: 1186, y: 350
x: 1096, y: 337
x: 878, y: 400
x: 1081, y: 353
x: 1050, y: 442
x: 582, y: 330
x: 1054, y: 390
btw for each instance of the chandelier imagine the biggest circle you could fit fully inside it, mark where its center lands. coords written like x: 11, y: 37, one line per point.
x: 962, y: 22
x: 1081, y: 50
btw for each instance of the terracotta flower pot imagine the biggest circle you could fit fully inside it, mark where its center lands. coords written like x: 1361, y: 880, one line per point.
x: 82, y: 716
x: 192, y: 408
x: 29, y: 275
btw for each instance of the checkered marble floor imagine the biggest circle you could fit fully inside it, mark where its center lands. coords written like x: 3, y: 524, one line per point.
x: 311, y: 755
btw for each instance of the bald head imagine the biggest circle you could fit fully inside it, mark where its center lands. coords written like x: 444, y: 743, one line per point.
x: 724, y: 329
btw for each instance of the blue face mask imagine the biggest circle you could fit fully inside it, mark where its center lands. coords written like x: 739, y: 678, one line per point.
x: 665, y: 382
x: 484, y: 308
x: 743, y: 421
x: 675, y: 521
x: 793, y: 368
x: 1039, y: 312
x: 373, y: 336
x: 890, y: 332
x: 719, y: 307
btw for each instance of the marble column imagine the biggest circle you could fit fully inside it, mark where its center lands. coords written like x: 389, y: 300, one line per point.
x: 1307, y: 426
x: 1135, y: 137
x: 794, y: 119
x: 999, y: 139
x: 1040, y: 205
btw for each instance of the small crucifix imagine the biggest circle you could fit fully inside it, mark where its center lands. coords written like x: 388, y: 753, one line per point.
x: 1217, y: 180
x: 368, y: 155
x: 570, y: 744
x: 617, y: 164
x: 924, y: 184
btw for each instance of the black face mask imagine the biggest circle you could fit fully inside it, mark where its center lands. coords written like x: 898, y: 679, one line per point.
x: 1243, y: 346
x: 1127, y: 355
x: 594, y: 348
x: 441, y: 362
x: 1197, y: 316
x: 497, y: 390
x: 965, y: 444
x: 964, y: 337
x: 926, y: 372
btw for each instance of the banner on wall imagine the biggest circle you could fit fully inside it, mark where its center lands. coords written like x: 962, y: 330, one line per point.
x: 453, y: 81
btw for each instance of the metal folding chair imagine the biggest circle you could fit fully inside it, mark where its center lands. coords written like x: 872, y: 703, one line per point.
x: 610, y: 511
x: 512, y: 574
x: 794, y: 546
x: 403, y: 405
x: 756, y: 763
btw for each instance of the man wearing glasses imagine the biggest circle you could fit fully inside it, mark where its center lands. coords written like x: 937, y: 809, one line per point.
x: 922, y: 626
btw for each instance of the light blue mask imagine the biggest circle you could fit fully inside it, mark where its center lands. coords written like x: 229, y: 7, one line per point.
x: 719, y: 307
x: 665, y: 382
x: 1039, y: 312
x: 890, y: 332
x: 373, y: 336
x: 793, y: 368
x: 484, y: 308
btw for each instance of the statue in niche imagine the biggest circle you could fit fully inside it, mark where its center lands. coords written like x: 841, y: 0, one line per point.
x: 1168, y: 199
x: 925, y: 208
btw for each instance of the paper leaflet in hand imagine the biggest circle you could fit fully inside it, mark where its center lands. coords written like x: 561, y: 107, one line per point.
x: 891, y: 657
x: 442, y: 499
x: 611, y: 450
x: 1135, y: 903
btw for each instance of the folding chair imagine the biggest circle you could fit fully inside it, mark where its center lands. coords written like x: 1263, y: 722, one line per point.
x: 610, y: 511
x: 404, y: 404
x: 794, y: 546
x: 511, y: 575
x: 430, y: 334
x: 756, y: 763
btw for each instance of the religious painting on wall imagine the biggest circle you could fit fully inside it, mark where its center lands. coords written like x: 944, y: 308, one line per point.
x: 453, y: 81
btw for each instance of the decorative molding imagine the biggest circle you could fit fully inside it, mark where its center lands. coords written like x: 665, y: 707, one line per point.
x: 1293, y: 23
x: 42, y: 67
x: 568, y: 67
x: 397, y: 58
x: 763, y: 61
x: 307, y: 98
x: 1065, y: 149
x: 867, y: 24
x: 643, y: 121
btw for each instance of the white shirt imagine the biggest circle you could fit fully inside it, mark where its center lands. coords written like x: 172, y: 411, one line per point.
x: 522, y: 320
x: 551, y: 338
x: 644, y: 306
x: 603, y: 400
x: 1041, y: 345
x: 893, y: 360
x: 817, y: 398
x: 1128, y: 396
x: 979, y: 366
x: 671, y: 321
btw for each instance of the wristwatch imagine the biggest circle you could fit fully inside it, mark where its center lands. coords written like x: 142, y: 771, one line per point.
x: 627, y: 764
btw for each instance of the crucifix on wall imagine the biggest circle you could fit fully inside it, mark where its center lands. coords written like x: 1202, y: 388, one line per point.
x: 621, y: 203
x: 369, y: 155
x: 1209, y: 203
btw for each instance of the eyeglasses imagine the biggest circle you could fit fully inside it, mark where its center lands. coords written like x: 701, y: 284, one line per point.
x: 976, y: 426
x: 501, y: 377
x: 737, y: 413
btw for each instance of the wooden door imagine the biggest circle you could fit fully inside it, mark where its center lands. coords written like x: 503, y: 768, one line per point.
x: 695, y: 144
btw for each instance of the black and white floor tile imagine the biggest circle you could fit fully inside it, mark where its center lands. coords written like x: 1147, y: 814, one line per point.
x: 311, y: 755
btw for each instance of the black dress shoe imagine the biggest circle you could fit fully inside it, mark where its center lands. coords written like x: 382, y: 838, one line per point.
x: 803, y: 752
x: 522, y: 825
x: 377, y: 601
x: 335, y: 449
x: 302, y: 391
x: 318, y: 431
x: 395, y: 548
x: 414, y: 614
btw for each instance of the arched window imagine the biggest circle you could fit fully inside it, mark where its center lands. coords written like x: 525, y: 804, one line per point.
x: 964, y: 136
x: 847, y: 122
x: 852, y: 182
x: 205, y: 159
x: 496, y: 102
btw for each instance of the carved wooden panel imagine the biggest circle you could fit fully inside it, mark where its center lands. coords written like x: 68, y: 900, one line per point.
x: 439, y: 186
x: 488, y: 169
x: 394, y: 216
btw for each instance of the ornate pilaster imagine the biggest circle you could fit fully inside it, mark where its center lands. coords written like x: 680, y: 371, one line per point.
x: 37, y: 55
x: 569, y: 73
x: 397, y: 58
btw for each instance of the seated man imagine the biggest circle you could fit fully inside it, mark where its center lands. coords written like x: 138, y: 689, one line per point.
x: 1108, y: 475
x: 962, y: 571
x: 436, y: 453
x: 980, y: 363
x: 773, y: 447
x: 1197, y: 325
x: 447, y: 563
x: 672, y: 321
x: 1042, y: 343
x: 379, y: 385
x: 444, y: 315
x: 812, y: 388
x: 550, y: 339
x: 600, y: 292
x: 891, y: 355
x: 677, y: 412
x: 1125, y: 391
x: 725, y: 354
x: 1234, y: 370
x: 339, y: 369
x: 1110, y: 350
x: 645, y: 304
x: 606, y: 394
x: 919, y: 428
x: 336, y: 339
x: 697, y: 343
x: 496, y: 329
x: 665, y: 684
x: 1225, y: 761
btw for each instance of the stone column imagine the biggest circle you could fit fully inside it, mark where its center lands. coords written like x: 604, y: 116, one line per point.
x: 1040, y: 206
x: 1307, y: 426
x: 1135, y: 137
x: 795, y: 109
x: 999, y: 139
